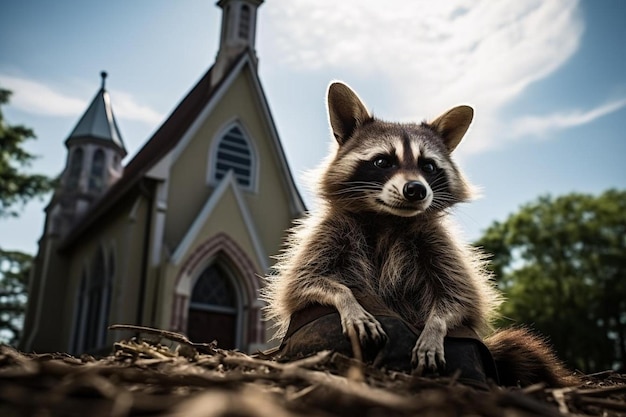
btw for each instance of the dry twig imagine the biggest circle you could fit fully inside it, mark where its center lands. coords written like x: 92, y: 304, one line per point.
x: 144, y: 377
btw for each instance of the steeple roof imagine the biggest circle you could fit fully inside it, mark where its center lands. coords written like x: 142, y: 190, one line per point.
x: 98, y: 121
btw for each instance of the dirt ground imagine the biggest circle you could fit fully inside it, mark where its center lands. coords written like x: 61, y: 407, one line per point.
x: 164, y: 374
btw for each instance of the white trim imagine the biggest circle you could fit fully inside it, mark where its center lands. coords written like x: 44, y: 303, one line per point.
x: 161, y: 170
x: 296, y: 202
x: 227, y: 182
x: 212, y: 159
x: 160, y: 215
x: 199, y: 221
x: 250, y: 225
x: 208, y: 109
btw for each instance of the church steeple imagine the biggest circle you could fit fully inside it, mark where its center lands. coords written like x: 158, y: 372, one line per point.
x: 94, y: 162
x: 238, y: 33
x: 98, y: 121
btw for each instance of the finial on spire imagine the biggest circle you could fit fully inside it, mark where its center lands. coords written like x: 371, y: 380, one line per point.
x: 103, y: 74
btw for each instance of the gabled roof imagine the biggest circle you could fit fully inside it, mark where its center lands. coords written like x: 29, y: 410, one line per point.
x: 228, y: 184
x: 164, y: 141
x: 98, y: 121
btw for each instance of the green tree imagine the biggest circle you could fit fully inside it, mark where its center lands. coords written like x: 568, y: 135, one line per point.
x: 561, y: 263
x: 17, y: 186
x: 14, y: 272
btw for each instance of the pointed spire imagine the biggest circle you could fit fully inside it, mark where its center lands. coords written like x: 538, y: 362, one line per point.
x: 98, y: 121
x: 103, y: 74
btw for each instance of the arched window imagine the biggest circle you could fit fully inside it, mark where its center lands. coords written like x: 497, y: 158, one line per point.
x: 97, y: 305
x: 76, y: 166
x: 214, y: 309
x: 234, y: 153
x: 244, y: 22
x: 81, y: 306
x: 96, y: 179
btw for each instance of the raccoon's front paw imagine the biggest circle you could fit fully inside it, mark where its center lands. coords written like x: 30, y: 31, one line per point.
x: 361, y: 324
x: 428, y: 352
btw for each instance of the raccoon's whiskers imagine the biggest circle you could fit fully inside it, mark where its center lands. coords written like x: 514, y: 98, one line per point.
x: 438, y: 182
x: 366, y: 184
x: 442, y: 197
x: 439, y: 205
x: 342, y: 193
x: 357, y: 187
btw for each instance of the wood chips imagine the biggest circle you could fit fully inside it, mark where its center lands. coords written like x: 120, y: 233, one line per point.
x: 164, y: 374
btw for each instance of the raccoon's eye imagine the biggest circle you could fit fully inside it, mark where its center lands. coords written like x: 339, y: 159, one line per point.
x: 428, y: 166
x: 382, y: 162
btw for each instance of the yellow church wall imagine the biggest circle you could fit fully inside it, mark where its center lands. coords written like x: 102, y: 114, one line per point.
x: 270, y: 207
x: 221, y: 221
x: 52, y: 293
x: 188, y: 178
x: 120, y: 235
x: 226, y: 218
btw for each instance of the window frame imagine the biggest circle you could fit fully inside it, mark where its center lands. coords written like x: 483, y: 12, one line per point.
x: 245, y: 22
x: 97, y: 171
x: 213, y: 159
x: 75, y: 168
x: 94, y: 290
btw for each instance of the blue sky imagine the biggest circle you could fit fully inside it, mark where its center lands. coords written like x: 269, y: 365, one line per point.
x: 547, y: 80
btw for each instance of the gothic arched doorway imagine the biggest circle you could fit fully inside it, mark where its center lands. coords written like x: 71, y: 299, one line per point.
x: 215, y: 309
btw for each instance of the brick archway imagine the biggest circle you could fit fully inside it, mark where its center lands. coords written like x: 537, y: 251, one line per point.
x: 224, y: 248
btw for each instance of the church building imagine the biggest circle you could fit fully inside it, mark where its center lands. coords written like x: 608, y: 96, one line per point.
x: 179, y: 237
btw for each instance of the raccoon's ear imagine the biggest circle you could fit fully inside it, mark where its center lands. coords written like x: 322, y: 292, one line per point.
x: 346, y: 111
x: 452, y: 125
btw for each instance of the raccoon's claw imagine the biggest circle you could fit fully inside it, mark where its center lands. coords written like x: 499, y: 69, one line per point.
x: 428, y: 353
x: 364, y: 326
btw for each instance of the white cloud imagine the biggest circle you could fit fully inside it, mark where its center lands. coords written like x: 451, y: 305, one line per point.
x: 34, y: 97
x: 125, y: 107
x: 37, y: 98
x: 431, y: 55
x: 542, y: 126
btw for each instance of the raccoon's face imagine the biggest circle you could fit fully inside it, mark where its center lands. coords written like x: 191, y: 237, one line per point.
x: 397, y: 169
x: 392, y: 168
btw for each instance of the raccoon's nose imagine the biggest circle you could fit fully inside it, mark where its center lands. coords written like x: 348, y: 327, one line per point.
x: 414, y: 191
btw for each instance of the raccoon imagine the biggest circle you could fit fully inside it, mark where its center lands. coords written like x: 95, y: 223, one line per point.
x: 381, y: 231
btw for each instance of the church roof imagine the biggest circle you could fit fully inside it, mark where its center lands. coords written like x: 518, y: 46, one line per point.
x: 169, y: 134
x: 98, y: 121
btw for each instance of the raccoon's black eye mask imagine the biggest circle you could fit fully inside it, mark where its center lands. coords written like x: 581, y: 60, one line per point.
x: 428, y: 165
x: 384, y: 162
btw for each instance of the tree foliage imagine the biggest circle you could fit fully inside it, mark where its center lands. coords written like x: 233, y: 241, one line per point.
x: 17, y: 186
x: 561, y: 263
x: 14, y: 272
